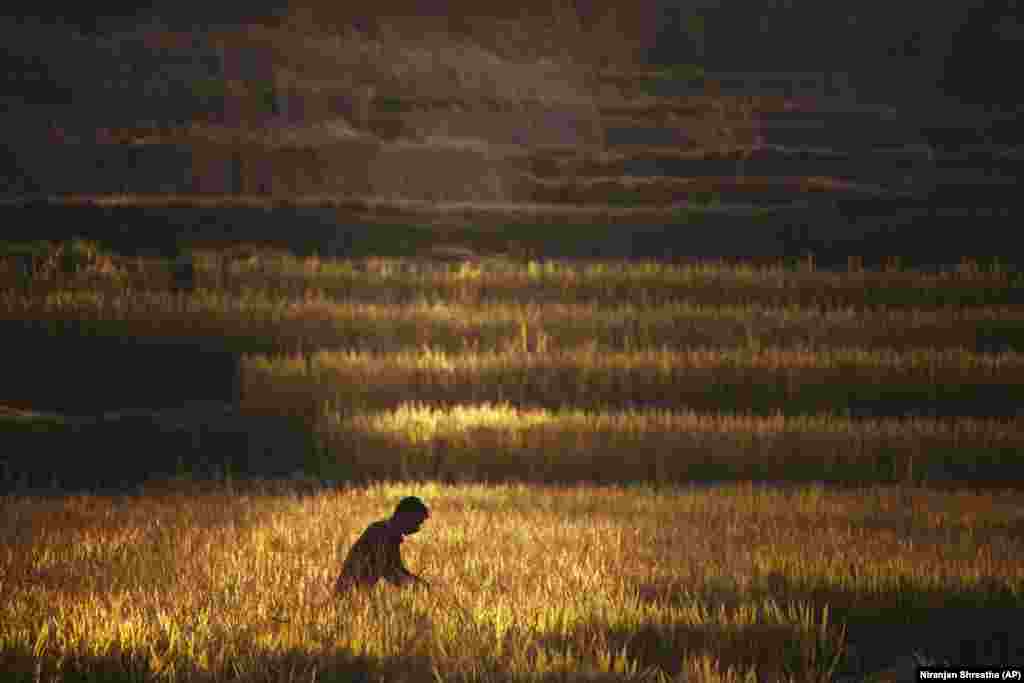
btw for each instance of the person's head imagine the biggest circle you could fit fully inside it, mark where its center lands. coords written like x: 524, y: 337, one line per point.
x: 409, y: 515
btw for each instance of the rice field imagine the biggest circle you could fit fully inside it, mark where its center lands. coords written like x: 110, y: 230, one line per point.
x: 529, y: 582
x: 643, y: 472
x: 598, y: 283
x: 636, y: 471
x: 500, y: 442
x: 283, y: 304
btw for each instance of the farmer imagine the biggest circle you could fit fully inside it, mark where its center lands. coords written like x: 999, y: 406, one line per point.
x: 377, y: 554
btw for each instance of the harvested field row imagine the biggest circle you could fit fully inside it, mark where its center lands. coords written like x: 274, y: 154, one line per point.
x: 762, y: 381
x: 260, y: 321
x: 502, y: 442
x: 645, y: 284
x: 756, y: 582
x: 461, y: 276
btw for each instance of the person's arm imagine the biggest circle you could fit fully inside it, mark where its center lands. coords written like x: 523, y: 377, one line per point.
x: 410, y: 579
x: 418, y: 580
x: 397, y: 572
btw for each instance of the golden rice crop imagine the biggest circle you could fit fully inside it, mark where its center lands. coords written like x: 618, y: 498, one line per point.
x: 795, y: 380
x: 643, y: 283
x: 399, y: 281
x: 529, y: 582
x: 258, y: 320
x: 502, y: 442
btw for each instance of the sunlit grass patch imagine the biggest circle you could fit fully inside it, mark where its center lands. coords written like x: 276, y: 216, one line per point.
x: 285, y: 318
x: 646, y: 285
x: 649, y: 283
x: 598, y: 583
x: 504, y: 442
x: 494, y: 280
x: 796, y: 381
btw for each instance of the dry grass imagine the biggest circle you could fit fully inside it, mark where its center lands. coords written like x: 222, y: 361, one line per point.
x: 482, y: 441
x: 804, y: 381
x: 536, y: 372
x: 530, y: 583
x: 649, y: 582
x: 492, y: 303
x: 496, y: 357
x: 354, y: 315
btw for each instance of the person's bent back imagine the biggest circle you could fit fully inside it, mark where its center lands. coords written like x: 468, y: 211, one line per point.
x: 377, y: 554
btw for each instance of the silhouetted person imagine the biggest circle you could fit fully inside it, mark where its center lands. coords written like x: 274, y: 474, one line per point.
x: 377, y: 554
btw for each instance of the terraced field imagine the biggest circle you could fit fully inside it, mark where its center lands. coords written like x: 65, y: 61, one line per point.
x: 688, y: 399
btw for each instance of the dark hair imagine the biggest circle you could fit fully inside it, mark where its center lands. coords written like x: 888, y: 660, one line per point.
x: 411, y: 504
